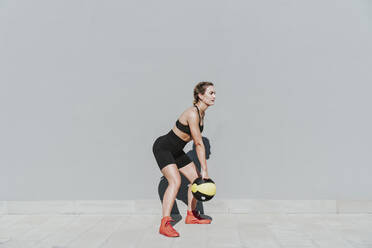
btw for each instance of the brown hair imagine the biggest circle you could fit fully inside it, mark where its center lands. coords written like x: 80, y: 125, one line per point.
x: 200, y: 88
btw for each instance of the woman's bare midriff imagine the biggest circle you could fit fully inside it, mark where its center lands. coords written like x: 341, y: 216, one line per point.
x: 182, y: 135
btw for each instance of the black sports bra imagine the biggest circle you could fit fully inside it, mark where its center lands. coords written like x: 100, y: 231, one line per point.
x: 186, y: 128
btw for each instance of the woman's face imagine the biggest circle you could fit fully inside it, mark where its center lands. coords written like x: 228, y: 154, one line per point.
x: 209, y: 96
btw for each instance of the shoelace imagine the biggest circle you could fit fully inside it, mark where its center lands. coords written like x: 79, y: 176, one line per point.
x: 169, y: 226
x: 168, y: 222
x: 197, y: 215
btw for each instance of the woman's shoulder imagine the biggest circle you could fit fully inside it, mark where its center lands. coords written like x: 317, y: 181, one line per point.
x: 189, y: 112
x: 192, y: 111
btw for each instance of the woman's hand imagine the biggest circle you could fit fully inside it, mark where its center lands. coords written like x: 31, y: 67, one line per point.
x: 204, y: 174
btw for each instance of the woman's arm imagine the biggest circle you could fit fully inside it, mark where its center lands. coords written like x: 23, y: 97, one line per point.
x: 198, y: 141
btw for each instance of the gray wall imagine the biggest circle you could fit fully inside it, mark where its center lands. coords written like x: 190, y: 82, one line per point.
x: 87, y: 86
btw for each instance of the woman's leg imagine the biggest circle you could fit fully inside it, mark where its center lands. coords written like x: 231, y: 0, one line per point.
x: 191, y: 173
x: 173, y: 176
x: 193, y: 216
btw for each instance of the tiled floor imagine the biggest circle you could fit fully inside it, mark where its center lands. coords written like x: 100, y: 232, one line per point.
x: 226, y: 230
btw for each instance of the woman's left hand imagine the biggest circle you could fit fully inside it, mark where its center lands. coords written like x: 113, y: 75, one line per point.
x: 204, y: 174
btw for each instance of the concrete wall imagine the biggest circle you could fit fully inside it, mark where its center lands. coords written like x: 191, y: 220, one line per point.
x: 87, y: 86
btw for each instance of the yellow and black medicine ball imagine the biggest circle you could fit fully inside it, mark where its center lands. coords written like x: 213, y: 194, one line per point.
x: 203, y: 189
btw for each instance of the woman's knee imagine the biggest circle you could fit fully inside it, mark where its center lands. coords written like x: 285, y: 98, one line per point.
x: 192, y: 178
x: 175, y: 181
x: 172, y: 175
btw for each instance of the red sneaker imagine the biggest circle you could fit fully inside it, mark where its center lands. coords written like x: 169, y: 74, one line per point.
x: 193, y: 217
x: 166, y: 228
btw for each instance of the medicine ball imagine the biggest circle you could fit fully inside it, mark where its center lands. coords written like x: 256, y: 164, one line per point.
x: 203, y: 189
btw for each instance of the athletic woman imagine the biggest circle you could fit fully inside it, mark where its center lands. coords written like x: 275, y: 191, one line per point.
x: 169, y: 154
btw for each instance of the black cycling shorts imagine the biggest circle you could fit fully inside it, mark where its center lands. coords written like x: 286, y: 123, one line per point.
x: 168, y: 149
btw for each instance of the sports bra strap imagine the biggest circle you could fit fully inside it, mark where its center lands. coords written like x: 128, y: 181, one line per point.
x: 198, y: 113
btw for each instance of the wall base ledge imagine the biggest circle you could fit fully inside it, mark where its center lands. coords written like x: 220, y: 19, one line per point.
x: 214, y: 206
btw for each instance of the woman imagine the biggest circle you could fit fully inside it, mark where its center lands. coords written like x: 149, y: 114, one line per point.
x: 169, y: 154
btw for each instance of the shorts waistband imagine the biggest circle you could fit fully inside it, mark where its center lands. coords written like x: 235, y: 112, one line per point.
x: 175, y: 139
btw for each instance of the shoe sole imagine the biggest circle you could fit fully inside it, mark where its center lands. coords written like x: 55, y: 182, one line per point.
x: 169, y: 236
x: 198, y: 223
